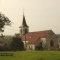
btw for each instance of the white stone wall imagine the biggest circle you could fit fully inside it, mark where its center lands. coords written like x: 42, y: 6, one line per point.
x: 25, y: 44
x: 43, y: 42
x: 38, y: 43
x: 30, y: 47
x: 49, y: 38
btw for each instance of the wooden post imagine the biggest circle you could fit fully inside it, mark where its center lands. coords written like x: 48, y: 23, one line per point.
x: 25, y: 42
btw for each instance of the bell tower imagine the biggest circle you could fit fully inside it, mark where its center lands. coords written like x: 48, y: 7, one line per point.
x: 24, y: 28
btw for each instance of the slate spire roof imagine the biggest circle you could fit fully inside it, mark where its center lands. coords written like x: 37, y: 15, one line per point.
x: 24, y: 24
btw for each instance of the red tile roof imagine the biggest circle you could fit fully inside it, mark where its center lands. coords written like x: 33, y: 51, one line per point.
x: 33, y: 36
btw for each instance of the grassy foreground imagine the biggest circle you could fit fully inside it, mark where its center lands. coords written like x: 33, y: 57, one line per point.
x: 31, y: 55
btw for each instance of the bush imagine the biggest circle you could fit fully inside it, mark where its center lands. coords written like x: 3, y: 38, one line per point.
x: 17, y: 44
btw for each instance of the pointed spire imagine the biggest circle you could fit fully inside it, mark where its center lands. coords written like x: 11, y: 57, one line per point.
x: 24, y: 21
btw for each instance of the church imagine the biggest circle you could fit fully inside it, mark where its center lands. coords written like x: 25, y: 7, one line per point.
x: 39, y: 40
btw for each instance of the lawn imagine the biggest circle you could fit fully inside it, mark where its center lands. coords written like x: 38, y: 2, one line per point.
x: 30, y: 55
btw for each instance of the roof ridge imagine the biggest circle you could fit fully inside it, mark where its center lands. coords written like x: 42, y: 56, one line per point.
x: 40, y: 31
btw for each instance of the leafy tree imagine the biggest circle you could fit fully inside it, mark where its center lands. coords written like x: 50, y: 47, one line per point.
x: 5, y: 43
x: 17, y: 44
x: 3, y: 22
x: 8, y: 42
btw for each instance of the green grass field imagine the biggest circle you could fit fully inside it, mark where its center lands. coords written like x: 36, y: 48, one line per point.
x: 31, y: 55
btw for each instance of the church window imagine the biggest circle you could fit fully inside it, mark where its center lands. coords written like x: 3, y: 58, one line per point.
x: 51, y: 43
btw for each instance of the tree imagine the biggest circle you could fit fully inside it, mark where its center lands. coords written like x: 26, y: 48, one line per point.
x: 3, y: 22
x: 17, y: 44
x: 8, y: 40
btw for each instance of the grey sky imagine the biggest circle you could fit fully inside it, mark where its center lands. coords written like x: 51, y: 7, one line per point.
x: 40, y: 14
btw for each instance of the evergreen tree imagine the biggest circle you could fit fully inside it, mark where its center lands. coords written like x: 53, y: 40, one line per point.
x: 17, y: 44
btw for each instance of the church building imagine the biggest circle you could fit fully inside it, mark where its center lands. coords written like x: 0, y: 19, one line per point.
x: 39, y: 40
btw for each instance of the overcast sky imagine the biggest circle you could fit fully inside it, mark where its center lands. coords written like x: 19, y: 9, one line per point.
x: 39, y: 14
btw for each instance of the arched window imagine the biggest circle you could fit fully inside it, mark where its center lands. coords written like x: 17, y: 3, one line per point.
x: 51, y: 43
x: 26, y: 31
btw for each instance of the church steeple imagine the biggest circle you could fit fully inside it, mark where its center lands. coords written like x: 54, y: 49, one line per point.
x: 24, y: 24
x: 24, y: 28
